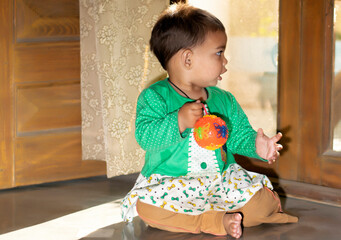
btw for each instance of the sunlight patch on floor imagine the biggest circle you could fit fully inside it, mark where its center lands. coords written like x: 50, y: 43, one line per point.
x: 73, y: 226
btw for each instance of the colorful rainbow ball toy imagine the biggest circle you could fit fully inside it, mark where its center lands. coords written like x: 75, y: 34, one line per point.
x: 210, y: 132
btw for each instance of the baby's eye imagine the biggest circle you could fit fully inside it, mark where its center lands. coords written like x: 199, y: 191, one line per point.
x: 219, y: 53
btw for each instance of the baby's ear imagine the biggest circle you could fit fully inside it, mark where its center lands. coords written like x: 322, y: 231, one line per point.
x: 186, y: 58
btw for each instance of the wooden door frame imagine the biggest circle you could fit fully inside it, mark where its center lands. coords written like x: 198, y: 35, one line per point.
x: 288, y: 86
x: 6, y: 95
x: 330, y: 160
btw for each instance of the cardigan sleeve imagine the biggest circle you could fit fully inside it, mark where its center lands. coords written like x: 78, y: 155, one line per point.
x: 156, y: 128
x: 242, y: 137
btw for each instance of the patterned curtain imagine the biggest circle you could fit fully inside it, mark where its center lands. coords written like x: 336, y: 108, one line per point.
x: 116, y: 65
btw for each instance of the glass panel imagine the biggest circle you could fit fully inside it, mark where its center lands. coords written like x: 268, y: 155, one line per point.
x: 336, y: 92
x: 252, y: 30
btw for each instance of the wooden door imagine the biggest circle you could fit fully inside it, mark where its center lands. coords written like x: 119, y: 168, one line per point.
x: 40, y: 92
x: 306, y: 65
x: 305, y: 80
x: 308, y: 167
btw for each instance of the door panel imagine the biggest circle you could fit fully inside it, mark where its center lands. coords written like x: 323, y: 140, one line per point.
x: 47, y: 20
x: 52, y: 157
x: 41, y: 62
x: 331, y: 155
x: 42, y: 108
x: 306, y: 66
x: 311, y: 101
x: 40, y: 94
x: 47, y: 93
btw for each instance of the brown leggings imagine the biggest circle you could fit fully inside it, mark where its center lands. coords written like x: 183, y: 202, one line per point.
x: 264, y: 207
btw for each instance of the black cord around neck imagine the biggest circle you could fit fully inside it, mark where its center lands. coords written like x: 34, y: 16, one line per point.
x: 178, y: 89
x: 183, y: 91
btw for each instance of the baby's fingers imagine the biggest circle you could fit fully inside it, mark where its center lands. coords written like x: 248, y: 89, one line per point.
x: 198, y: 113
x: 279, y: 147
x: 274, y: 158
x: 277, y: 137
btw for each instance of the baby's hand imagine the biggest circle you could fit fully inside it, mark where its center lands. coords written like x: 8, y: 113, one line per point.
x: 189, y: 114
x: 268, y: 148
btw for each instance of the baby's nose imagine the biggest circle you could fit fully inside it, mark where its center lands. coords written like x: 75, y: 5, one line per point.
x: 225, y: 61
x: 224, y: 70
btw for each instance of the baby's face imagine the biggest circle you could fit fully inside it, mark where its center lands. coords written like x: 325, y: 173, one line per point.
x: 209, y: 60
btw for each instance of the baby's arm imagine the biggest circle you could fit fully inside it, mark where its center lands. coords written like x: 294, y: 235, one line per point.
x: 243, y: 139
x: 156, y: 128
x: 268, y: 148
x: 189, y: 114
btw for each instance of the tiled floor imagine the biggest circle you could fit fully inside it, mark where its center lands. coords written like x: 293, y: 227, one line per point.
x: 316, y: 221
x: 23, y: 207
x: 27, y: 206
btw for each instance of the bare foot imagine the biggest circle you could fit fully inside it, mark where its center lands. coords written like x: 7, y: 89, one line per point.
x: 232, y: 223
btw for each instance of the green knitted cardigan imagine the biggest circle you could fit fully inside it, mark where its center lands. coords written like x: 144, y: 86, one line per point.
x: 157, y: 130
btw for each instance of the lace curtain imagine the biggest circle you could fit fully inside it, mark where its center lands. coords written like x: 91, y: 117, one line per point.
x: 116, y: 65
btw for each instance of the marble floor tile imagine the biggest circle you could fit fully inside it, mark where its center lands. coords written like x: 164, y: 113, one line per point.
x: 31, y: 207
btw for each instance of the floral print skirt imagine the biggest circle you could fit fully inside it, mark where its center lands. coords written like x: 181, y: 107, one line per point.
x: 228, y: 191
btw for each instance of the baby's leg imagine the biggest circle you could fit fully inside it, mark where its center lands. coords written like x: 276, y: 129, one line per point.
x: 213, y: 222
x: 264, y: 207
x: 232, y: 224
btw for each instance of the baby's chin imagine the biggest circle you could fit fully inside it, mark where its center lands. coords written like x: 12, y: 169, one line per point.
x: 215, y: 82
